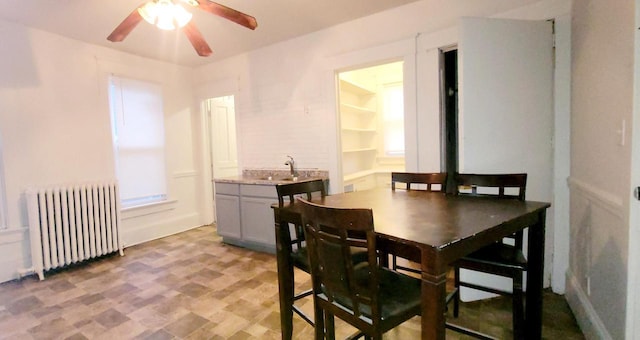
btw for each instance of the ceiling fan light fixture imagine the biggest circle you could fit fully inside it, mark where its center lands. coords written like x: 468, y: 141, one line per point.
x: 148, y: 12
x: 181, y: 15
x: 165, y: 14
x: 165, y: 23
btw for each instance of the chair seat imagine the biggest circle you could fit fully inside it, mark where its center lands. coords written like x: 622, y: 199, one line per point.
x: 497, y: 255
x: 399, y: 293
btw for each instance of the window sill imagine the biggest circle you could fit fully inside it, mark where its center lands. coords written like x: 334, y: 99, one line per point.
x: 148, y: 209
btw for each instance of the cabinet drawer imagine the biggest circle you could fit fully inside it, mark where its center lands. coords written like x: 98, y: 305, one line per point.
x: 268, y: 191
x: 227, y: 188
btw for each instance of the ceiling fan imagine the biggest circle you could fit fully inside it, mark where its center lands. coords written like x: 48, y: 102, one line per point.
x: 169, y: 14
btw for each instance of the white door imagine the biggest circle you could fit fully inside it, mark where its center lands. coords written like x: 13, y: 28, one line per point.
x: 222, y: 139
x: 506, y: 109
x: 224, y: 153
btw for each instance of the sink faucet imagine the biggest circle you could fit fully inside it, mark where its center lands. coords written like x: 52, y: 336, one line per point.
x: 291, y: 165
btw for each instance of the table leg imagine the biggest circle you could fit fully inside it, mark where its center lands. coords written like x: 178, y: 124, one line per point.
x: 535, y: 273
x: 433, y: 296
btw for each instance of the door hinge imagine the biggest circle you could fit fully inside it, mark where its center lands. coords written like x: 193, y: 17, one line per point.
x: 636, y: 193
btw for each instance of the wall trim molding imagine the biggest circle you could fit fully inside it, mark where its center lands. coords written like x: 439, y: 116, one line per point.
x: 13, y: 235
x: 606, y: 200
x: 187, y: 173
x: 151, y: 231
x: 148, y: 209
x: 590, y: 323
x: 8, y: 269
x: 12, y: 245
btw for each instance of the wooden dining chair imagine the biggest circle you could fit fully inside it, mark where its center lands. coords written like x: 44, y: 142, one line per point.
x: 364, y: 294
x: 430, y: 181
x: 416, y: 181
x: 294, y: 243
x: 502, y: 258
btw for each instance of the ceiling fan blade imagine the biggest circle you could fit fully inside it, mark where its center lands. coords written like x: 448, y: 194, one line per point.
x: 228, y: 13
x: 126, y: 26
x: 196, y: 39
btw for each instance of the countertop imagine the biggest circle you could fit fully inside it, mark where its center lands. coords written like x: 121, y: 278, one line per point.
x: 273, y: 177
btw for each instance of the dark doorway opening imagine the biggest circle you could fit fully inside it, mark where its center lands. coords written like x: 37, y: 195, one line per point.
x: 449, y: 66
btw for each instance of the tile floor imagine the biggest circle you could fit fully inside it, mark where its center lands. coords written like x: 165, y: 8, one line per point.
x: 192, y: 286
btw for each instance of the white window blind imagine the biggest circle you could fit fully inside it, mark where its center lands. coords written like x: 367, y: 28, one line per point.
x: 393, y: 118
x: 138, y: 134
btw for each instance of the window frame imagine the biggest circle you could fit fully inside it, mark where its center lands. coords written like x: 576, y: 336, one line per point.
x: 386, y: 153
x: 115, y: 83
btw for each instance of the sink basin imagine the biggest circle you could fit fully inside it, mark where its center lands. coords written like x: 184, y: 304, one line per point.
x: 287, y: 179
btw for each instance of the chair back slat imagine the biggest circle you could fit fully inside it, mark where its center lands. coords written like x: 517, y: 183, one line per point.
x: 499, y: 182
x: 433, y: 181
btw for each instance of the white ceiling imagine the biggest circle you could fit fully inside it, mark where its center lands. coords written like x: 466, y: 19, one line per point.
x: 92, y: 21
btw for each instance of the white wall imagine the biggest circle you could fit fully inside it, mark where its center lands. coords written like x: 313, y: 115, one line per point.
x: 602, y: 97
x: 286, y: 92
x: 55, y: 128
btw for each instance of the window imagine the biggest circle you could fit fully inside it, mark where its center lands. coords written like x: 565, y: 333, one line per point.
x: 393, y: 120
x: 138, y: 134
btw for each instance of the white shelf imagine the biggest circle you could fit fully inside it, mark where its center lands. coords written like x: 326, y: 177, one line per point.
x: 352, y: 87
x: 359, y: 150
x: 359, y: 174
x: 356, y: 109
x: 347, y: 129
x: 358, y: 116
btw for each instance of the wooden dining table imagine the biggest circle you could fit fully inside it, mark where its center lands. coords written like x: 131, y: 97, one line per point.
x: 433, y: 229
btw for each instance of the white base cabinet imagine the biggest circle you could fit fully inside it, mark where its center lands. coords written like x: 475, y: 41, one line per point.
x: 244, y: 215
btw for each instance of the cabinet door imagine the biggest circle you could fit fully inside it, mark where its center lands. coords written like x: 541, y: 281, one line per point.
x: 257, y: 220
x: 228, y: 216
